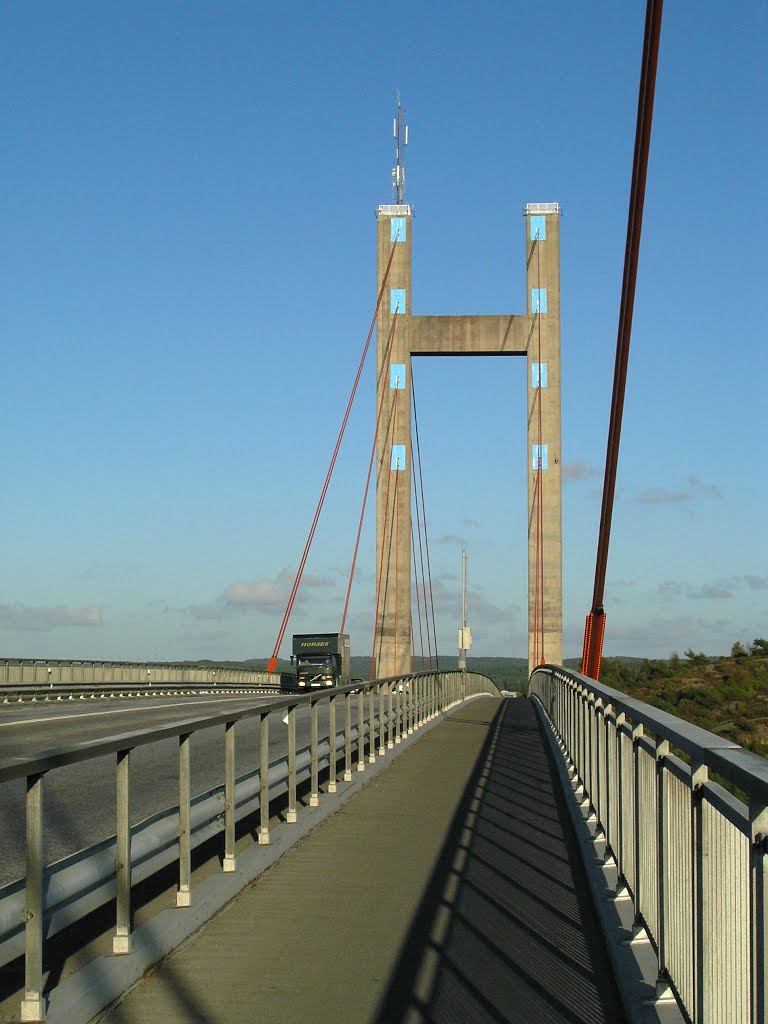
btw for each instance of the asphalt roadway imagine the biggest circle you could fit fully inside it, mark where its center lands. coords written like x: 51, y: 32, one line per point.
x: 79, y: 800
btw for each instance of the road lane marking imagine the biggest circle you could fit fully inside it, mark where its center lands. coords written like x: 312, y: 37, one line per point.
x: 116, y: 711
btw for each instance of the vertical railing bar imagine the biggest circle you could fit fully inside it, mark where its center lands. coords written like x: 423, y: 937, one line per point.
x: 264, y: 778
x: 332, y: 764
x: 391, y: 721
x: 184, y: 894
x: 371, y: 727
x: 380, y: 702
x: 360, y: 730
x: 229, y: 863
x: 33, y: 1005
x: 699, y: 775
x: 314, y: 795
x: 758, y: 909
x: 662, y: 813
x: 347, y: 737
x: 122, y: 940
x: 292, y: 812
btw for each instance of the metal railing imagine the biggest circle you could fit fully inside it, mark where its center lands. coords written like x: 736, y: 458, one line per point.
x: 28, y: 670
x: 386, y: 711
x: 693, y: 858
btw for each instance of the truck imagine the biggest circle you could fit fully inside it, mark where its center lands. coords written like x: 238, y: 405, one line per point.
x: 321, y: 659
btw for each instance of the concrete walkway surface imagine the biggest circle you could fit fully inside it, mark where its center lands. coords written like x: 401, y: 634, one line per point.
x: 449, y: 889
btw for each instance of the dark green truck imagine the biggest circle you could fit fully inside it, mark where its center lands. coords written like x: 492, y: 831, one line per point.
x: 321, y: 659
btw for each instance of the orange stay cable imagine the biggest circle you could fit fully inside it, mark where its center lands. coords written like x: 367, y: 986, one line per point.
x: 272, y: 663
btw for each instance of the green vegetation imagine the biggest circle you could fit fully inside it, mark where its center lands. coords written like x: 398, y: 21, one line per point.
x: 725, y: 695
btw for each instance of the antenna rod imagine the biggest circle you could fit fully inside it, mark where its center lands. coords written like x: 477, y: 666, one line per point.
x: 400, y: 134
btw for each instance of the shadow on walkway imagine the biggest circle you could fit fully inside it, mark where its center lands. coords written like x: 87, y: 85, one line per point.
x: 505, y: 931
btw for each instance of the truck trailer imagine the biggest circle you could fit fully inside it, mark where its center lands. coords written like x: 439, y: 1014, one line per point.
x: 321, y: 659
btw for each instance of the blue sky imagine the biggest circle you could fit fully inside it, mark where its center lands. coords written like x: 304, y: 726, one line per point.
x: 188, y: 273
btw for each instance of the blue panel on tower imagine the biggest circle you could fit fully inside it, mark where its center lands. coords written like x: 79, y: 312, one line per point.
x: 538, y: 300
x: 397, y: 376
x: 535, y: 375
x: 538, y: 224
x: 398, y: 456
x: 397, y: 300
x: 397, y: 229
x: 535, y: 457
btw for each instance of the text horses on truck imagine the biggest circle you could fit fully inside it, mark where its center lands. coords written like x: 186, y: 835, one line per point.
x: 321, y: 659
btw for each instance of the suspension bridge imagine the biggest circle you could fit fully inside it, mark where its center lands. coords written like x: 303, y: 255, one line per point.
x: 417, y: 846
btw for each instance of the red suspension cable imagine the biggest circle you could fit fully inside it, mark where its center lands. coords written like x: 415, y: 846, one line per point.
x: 272, y: 663
x: 421, y: 557
x: 595, y: 625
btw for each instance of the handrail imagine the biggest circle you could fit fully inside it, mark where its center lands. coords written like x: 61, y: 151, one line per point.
x: 692, y: 857
x: 387, y: 710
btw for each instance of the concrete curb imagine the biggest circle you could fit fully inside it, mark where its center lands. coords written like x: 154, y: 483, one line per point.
x: 85, y: 995
x: 632, y: 956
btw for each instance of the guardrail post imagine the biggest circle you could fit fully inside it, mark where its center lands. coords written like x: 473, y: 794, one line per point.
x: 332, y: 743
x: 371, y: 726
x: 33, y: 1004
x: 360, y: 730
x: 617, y: 844
x: 264, y: 779
x: 229, y: 797
x: 699, y: 775
x: 399, y: 691
x: 391, y: 719
x: 184, y: 894
x: 347, y: 738
x: 637, y: 734
x: 291, y: 815
x: 122, y: 940
x: 382, y: 746
x: 758, y: 908
x: 662, y: 749
x: 314, y: 794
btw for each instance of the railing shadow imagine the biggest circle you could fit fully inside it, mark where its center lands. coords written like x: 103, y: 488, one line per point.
x: 505, y: 931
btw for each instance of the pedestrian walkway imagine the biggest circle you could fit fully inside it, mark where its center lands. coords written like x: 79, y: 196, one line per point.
x: 449, y: 889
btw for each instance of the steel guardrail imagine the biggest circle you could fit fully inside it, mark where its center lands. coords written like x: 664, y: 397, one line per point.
x: 49, y: 898
x: 692, y: 857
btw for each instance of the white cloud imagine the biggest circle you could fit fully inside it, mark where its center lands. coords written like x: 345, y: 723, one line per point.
x: 42, y: 618
x: 578, y: 470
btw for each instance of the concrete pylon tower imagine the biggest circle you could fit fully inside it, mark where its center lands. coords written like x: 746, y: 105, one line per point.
x: 534, y: 334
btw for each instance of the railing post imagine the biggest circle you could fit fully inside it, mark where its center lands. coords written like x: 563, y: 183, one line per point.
x: 758, y: 908
x: 184, y: 894
x: 264, y: 779
x: 332, y: 743
x: 391, y: 720
x: 699, y: 776
x: 596, y: 789
x: 617, y: 844
x: 382, y: 745
x: 314, y: 795
x: 371, y: 727
x: 33, y: 1004
x: 229, y: 863
x: 637, y: 733
x: 662, y: 749
x: 347, y: 738
x: 399, y: 691
x: 291, y: 815
x: 360, y: 730
x: 122, y: 940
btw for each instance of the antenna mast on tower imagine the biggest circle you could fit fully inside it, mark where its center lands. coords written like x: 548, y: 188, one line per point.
x: 400, y: 134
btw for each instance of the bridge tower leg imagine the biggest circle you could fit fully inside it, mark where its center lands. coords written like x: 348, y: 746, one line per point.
x: 393, y: 457
x: 536, y: 335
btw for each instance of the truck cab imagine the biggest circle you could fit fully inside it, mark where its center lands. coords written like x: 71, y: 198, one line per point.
x: 321, y: 659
